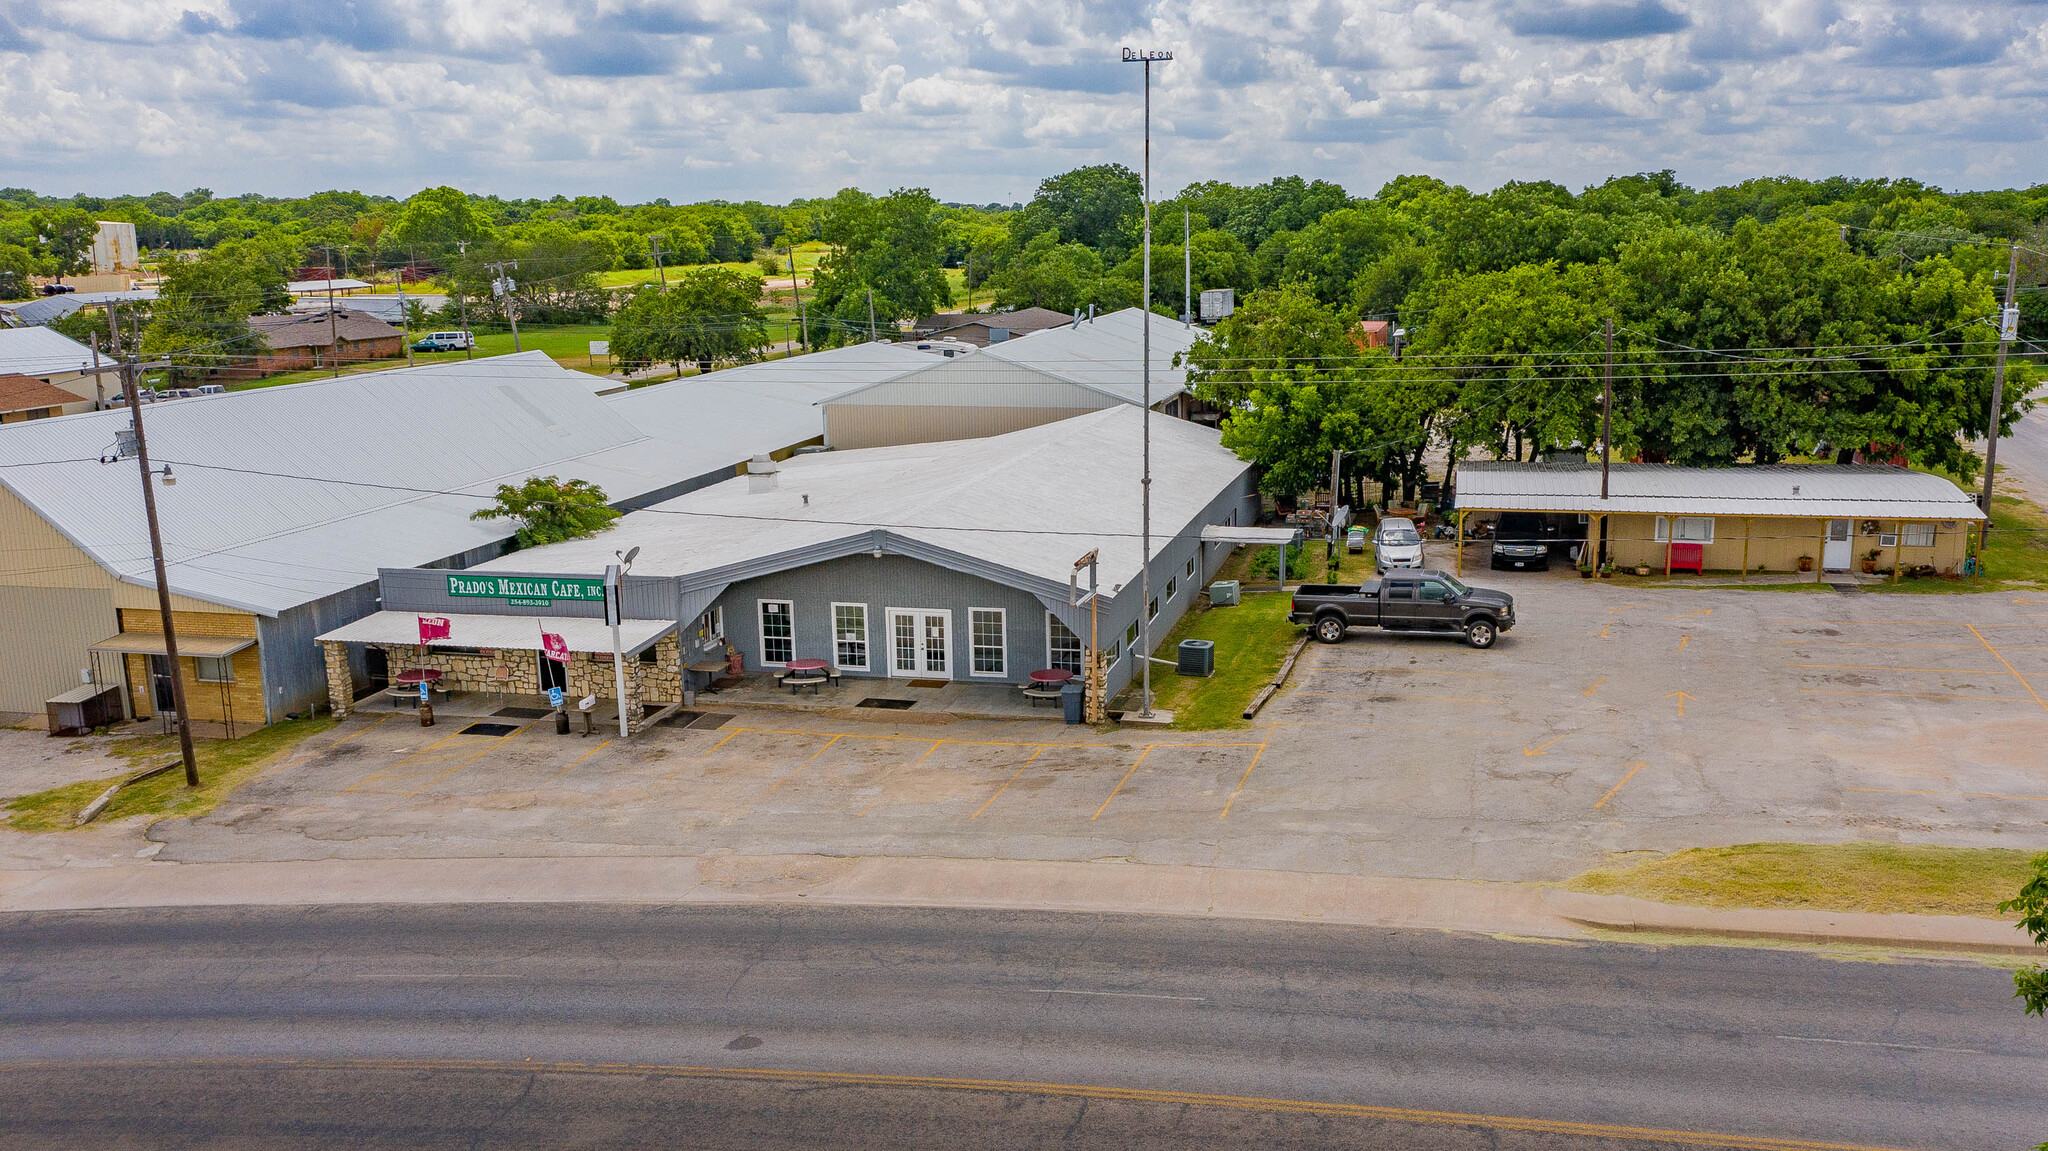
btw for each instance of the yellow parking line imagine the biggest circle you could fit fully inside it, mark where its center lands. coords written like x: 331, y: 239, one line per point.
x: 1423, y: 727
x: 304, y: 756
x: 1912, y: 695
x: 1120, y: 783
x: 1958, y: 794
x: 1632, y: 769
x: 1006, y: 783
x: 1241, y: 780
x: 805, y: 763
x: 1883, y: 667
x: 2031, y: 693
x: 577, y: 760
x: 1588, y: 693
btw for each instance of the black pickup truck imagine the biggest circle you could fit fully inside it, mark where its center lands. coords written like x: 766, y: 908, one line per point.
x: 1410, y: 601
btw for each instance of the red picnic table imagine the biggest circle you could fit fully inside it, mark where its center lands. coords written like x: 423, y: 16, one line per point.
x: 804, y: 673
x: 419, y: 675
x: 1051, y: 675
x: 411, y: 678
x: 1045, y: 685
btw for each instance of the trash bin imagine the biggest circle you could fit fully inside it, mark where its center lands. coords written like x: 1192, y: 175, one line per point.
x: 1197, y: 657
x: 1073, y: 697
x: 1223, y: 593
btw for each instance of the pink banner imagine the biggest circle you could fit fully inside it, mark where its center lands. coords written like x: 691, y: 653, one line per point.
x: 555, y: 646
x: 433, y: 627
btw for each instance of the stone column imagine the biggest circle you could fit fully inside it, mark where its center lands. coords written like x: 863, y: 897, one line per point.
x: 341, y: 683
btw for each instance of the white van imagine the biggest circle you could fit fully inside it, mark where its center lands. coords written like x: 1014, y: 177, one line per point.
x: 444, y: 342
x: 212, y: 390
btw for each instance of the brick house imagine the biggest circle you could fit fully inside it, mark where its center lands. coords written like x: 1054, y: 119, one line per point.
x: 301, y: 340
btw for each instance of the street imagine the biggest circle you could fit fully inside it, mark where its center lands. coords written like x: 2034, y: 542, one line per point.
x: 773, y: 1027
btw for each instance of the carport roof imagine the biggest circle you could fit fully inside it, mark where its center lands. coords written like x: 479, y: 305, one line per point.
x: 518, y: 632
x: 1871, y: 491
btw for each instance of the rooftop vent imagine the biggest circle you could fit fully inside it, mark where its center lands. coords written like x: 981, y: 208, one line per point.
x: 762, y: 474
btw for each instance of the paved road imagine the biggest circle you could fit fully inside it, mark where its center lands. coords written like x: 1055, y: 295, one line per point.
x: 810, y: 1027
x: 2024, y: 454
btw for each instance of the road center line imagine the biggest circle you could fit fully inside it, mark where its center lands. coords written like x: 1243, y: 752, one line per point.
x: 1887, y: 1046
x: 1115, y: 994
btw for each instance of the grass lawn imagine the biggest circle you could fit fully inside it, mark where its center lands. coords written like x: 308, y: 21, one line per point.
x: 1251, y: 640
x: 2014, y: 559
x: 224, y: 765
x: 1879, y: 877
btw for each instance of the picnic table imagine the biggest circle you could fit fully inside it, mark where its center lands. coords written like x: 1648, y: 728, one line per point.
x: 804, y: 673
x: 1045, y: 685
x: 418, y: 675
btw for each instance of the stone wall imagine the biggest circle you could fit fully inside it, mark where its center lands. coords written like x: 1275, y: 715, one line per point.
x: 341, y: 683
x: 516, y: 672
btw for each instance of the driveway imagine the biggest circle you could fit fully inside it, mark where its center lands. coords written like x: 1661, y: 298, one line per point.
x: 1610, y: 720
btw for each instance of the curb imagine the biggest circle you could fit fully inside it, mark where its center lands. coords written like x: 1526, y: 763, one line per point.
x: 1919, y: 932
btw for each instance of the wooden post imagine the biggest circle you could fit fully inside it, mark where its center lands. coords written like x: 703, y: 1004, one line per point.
x: 1746, y: 522
x: 1898, y: 546
x: 1670, y: 538
x: 1460, y: 541
x: 1820, y: 559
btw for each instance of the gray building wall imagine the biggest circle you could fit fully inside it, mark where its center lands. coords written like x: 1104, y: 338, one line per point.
x: 881, y: 584
x: 294, y: 666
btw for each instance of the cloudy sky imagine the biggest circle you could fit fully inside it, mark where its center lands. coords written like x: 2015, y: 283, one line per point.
x: 977, y: 99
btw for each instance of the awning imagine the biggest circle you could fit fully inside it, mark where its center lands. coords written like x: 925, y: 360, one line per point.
x: 518, y: 632
x: 1225, y: 534
x: 191, y: 646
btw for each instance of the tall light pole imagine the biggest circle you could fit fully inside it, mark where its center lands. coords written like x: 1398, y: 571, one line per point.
x: 614, y: 611
x: 2008, y: 330
x: 1146, y: 57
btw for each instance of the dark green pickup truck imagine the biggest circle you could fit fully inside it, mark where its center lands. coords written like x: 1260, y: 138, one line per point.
x: 1409, y: 601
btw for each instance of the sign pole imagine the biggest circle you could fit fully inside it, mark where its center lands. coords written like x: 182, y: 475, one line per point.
x: 614, y: 593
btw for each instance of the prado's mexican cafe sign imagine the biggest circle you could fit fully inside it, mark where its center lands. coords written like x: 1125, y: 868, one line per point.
x: 526, y: 591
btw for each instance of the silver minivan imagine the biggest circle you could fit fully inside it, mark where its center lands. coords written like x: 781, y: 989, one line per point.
x: 1396, y: 544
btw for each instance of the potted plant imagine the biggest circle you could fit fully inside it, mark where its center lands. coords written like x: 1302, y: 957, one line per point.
x: 1642, y: 569
x: 1607, y: 570
x: 1806, y: 563
x: 1870, y: 560
x: 1586, y: 567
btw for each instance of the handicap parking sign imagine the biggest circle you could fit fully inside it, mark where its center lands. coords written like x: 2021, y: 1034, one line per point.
x: 424, y: 697
x: 554, y: 697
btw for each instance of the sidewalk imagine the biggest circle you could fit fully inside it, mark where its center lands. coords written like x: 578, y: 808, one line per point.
x: 1102, y: 888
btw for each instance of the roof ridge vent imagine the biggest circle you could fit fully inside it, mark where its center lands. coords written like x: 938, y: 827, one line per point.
x: 763, y: 474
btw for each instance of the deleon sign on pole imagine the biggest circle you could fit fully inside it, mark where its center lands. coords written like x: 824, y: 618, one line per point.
x: 433, y: 627
x: 555, y: 646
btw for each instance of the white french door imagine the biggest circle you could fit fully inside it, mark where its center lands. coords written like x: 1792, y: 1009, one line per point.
x: 920, y: 643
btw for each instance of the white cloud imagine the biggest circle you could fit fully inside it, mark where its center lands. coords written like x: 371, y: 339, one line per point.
x: 978, y: 99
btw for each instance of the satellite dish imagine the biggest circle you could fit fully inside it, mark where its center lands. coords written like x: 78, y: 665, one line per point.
x: 586, y: 703
x: 629, y: 555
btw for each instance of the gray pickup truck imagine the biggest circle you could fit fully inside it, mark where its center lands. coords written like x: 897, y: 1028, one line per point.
x: 1408, y: 601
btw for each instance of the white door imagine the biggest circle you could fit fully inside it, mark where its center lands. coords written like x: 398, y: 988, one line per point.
x: 1834, y: 556
x: 920, y: 643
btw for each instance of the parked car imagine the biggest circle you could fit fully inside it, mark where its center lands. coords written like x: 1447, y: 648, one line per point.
x: 444, y: 342
x: 1424, y: 600
x: 1396, y: 544
x: 1523, y: 540
x: 211, y: 390
x: 1354, y: 541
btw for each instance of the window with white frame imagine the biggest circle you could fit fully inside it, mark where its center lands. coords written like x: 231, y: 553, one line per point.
x: 1172, y: 585
x: 1062, y: 646
x: 990, y: 646
x: 1152, y: 610
x: 1131, y: 635
x: 1917, y: 535
x: 1112, y: 653
x: 778, y: 632
x: 850, y: 636
x: 1190, y: 569
x: 214, y: 669
x: 1686, y: 529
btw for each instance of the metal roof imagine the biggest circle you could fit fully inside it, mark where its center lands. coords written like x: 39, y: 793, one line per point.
x: 767, y: 406
x: 1826, y: 490
x: 1019, y: 507
x: 41, y: 352
x: 305, y: 287
x: 189, y: 646
x: 518, y: 632
x: 382, y: 305
x: 47, y: 308
x: 319, y: 329
x: 287, y: 494
x: 1106, y: 354
x: 1226, y: 534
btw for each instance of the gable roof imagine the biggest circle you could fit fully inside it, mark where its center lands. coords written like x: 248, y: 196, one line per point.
x: 317, y: 330
x: 19, y: 393
x: 1871, y: 491
x: 41, y: 352
x: 984, y: 501
x: 1101, y: 355
x: 767, y: 406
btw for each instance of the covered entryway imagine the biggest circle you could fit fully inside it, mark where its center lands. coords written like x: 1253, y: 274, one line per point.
x: 918, y: 643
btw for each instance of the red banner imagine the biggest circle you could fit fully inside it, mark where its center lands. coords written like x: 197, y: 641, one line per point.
x: 433, y: 627
x: 555, y: 646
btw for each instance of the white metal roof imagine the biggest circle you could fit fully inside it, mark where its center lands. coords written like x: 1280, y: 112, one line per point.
x: 303, y: 287
x: 41, y: 352
x: 1029, y: 501
x: 1831, y: 490
x: 288, y: 494
x: 1106, y: 353
x: 502, y: 631
x: 762, y: 407
x: 1226, y: 534
x: 46, y: 308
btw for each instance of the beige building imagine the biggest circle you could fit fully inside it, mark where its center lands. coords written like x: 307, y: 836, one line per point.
x: 1797, y: 517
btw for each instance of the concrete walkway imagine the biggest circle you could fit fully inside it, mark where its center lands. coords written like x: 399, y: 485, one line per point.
x: 1104, y: 888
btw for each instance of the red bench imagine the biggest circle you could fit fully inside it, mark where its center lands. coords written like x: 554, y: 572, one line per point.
x: 1685, y: 557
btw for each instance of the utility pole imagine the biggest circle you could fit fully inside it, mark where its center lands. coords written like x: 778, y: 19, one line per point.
x: 462, y: 305
x: 502, y: 286
x: 1187, y: 270
x: 1145, y: 417
x: 1336, y: 471
x: 803, y: 326
x: 404, y: 321
x: 333, y: 325
x: 99, y: 383
x: 655, y: 240
x: 871, y: 315
x: 2008, y: 331
x: 163, y: 583
x: 1606, y: 439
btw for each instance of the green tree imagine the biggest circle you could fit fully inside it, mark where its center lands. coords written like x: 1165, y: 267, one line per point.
x: 66, y: 237
x: 1050, y: 274
x: 888, y: 245
x: 200, y: 318
x: 706, y: 315
x: 17, y: 272
x: 1098, y: 207
x: 1328, y: 255
x: 550, y: 510
x: 437, y: 220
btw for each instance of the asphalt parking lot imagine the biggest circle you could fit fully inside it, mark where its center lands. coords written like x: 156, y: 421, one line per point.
x: 1609, y: 720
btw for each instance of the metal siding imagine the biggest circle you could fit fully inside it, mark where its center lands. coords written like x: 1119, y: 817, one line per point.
x: 294, y: 665
x: 881, y: 425
x: 891, y: 581
x: 44, y: 634
x: 426, y: 590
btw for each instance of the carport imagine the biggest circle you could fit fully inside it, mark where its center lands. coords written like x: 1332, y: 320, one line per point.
x: 1230, y: 535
